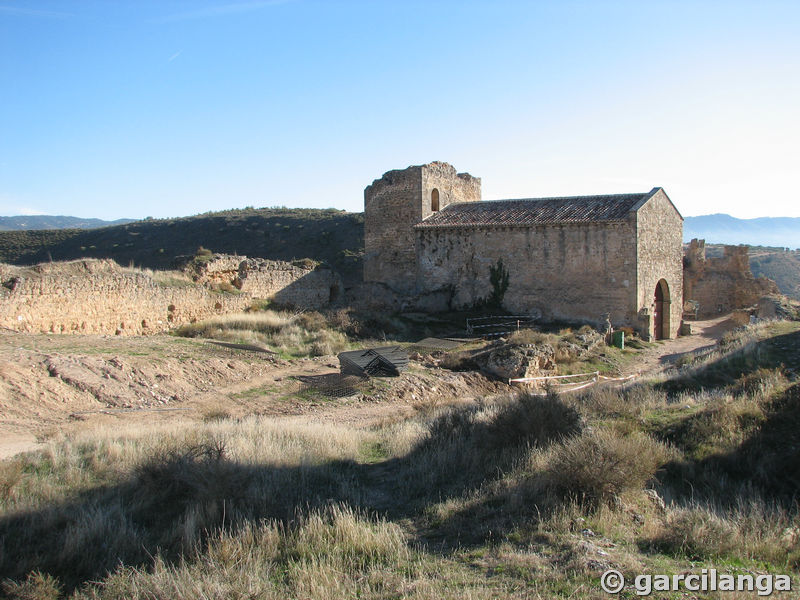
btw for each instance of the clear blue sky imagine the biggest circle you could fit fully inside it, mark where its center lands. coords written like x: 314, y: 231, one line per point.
x: 168, y: 108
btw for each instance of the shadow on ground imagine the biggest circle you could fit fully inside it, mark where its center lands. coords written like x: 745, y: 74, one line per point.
x: 173, y: 501
x: 781, y: 351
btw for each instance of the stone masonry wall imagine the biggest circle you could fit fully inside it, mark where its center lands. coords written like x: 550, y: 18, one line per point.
x: 721, y: 285
x: 391, y: 207
x: 289, y: 284
x: 303, y: 283
x: 568, y: 271
x: 100, y: 297
x: 451, y: 186
x: 659, y: 249
x: 396, y: 202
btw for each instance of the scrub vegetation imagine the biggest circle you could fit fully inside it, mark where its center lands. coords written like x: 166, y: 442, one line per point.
x: 520, y: 496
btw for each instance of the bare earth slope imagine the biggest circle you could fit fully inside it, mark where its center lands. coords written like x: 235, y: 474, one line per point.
x: 53, y: 385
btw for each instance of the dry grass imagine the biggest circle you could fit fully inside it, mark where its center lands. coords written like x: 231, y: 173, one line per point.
x: 532, y: 337
x: 522, y: 496
x: 168, y: 278
x: 755, y: 531
x: 290, y: 334
x: 536, y: 421
x: 600, y: 465
x: 258, y: 322
x: 629, y: 404
x: 459, y: 361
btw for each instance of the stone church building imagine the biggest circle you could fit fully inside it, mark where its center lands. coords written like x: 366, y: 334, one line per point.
x: 432, y: 241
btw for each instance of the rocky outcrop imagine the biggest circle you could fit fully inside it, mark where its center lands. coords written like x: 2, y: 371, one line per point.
x: 511, y: 362
x: 532, y: 354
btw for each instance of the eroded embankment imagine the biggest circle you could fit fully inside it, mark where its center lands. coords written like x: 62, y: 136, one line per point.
x: 51, y: 384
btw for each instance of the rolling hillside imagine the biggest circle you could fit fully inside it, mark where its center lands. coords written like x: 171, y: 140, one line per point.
x: 329, y: 235
x: 332, y: 236
x: 779, y: 265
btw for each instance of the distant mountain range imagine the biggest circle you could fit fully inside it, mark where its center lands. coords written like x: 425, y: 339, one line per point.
x: 782, y: 232
x: 55, y: 222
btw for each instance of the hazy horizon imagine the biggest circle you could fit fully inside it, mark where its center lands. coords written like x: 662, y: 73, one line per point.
x: 167, y: 109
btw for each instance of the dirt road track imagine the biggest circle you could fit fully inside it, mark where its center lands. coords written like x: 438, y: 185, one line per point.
x: 664, y: 354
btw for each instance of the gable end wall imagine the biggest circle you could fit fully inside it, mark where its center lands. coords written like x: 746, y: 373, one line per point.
x: 659, y: 256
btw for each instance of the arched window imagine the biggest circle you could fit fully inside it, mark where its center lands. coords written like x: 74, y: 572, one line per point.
x: 434, y: 200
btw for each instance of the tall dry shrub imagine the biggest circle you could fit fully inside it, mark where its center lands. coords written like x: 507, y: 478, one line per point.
x: 535, y: 421
x: 599, y: 465
x: 182, y: 494
x: 36, y: 586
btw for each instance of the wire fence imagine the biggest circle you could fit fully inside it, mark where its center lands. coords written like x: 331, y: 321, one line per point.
x: 333, y: 385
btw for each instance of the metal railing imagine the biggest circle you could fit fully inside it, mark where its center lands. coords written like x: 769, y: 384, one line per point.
x: 483, y: 326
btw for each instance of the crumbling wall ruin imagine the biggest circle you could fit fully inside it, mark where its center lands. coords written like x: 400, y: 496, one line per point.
x: 720, y: 285
x: 100, y: 297
x: 303, y: 283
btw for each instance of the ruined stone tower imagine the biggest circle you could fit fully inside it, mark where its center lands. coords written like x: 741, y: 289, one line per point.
x: 395, y: 203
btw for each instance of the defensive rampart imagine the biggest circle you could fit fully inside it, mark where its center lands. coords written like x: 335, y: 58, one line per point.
x: 100, y: 297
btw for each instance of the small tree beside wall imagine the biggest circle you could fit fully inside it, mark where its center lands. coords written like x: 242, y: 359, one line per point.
x: 498, y: 277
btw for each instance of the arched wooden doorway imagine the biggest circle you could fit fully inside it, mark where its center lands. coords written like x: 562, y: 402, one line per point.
x: 434, y: 200
x: 661, y: 325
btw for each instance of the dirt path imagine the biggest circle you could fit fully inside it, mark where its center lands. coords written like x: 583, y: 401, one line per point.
x: 665, y: 353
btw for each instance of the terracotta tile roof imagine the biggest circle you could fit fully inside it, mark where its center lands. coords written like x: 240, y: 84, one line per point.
x: 535, y: 211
